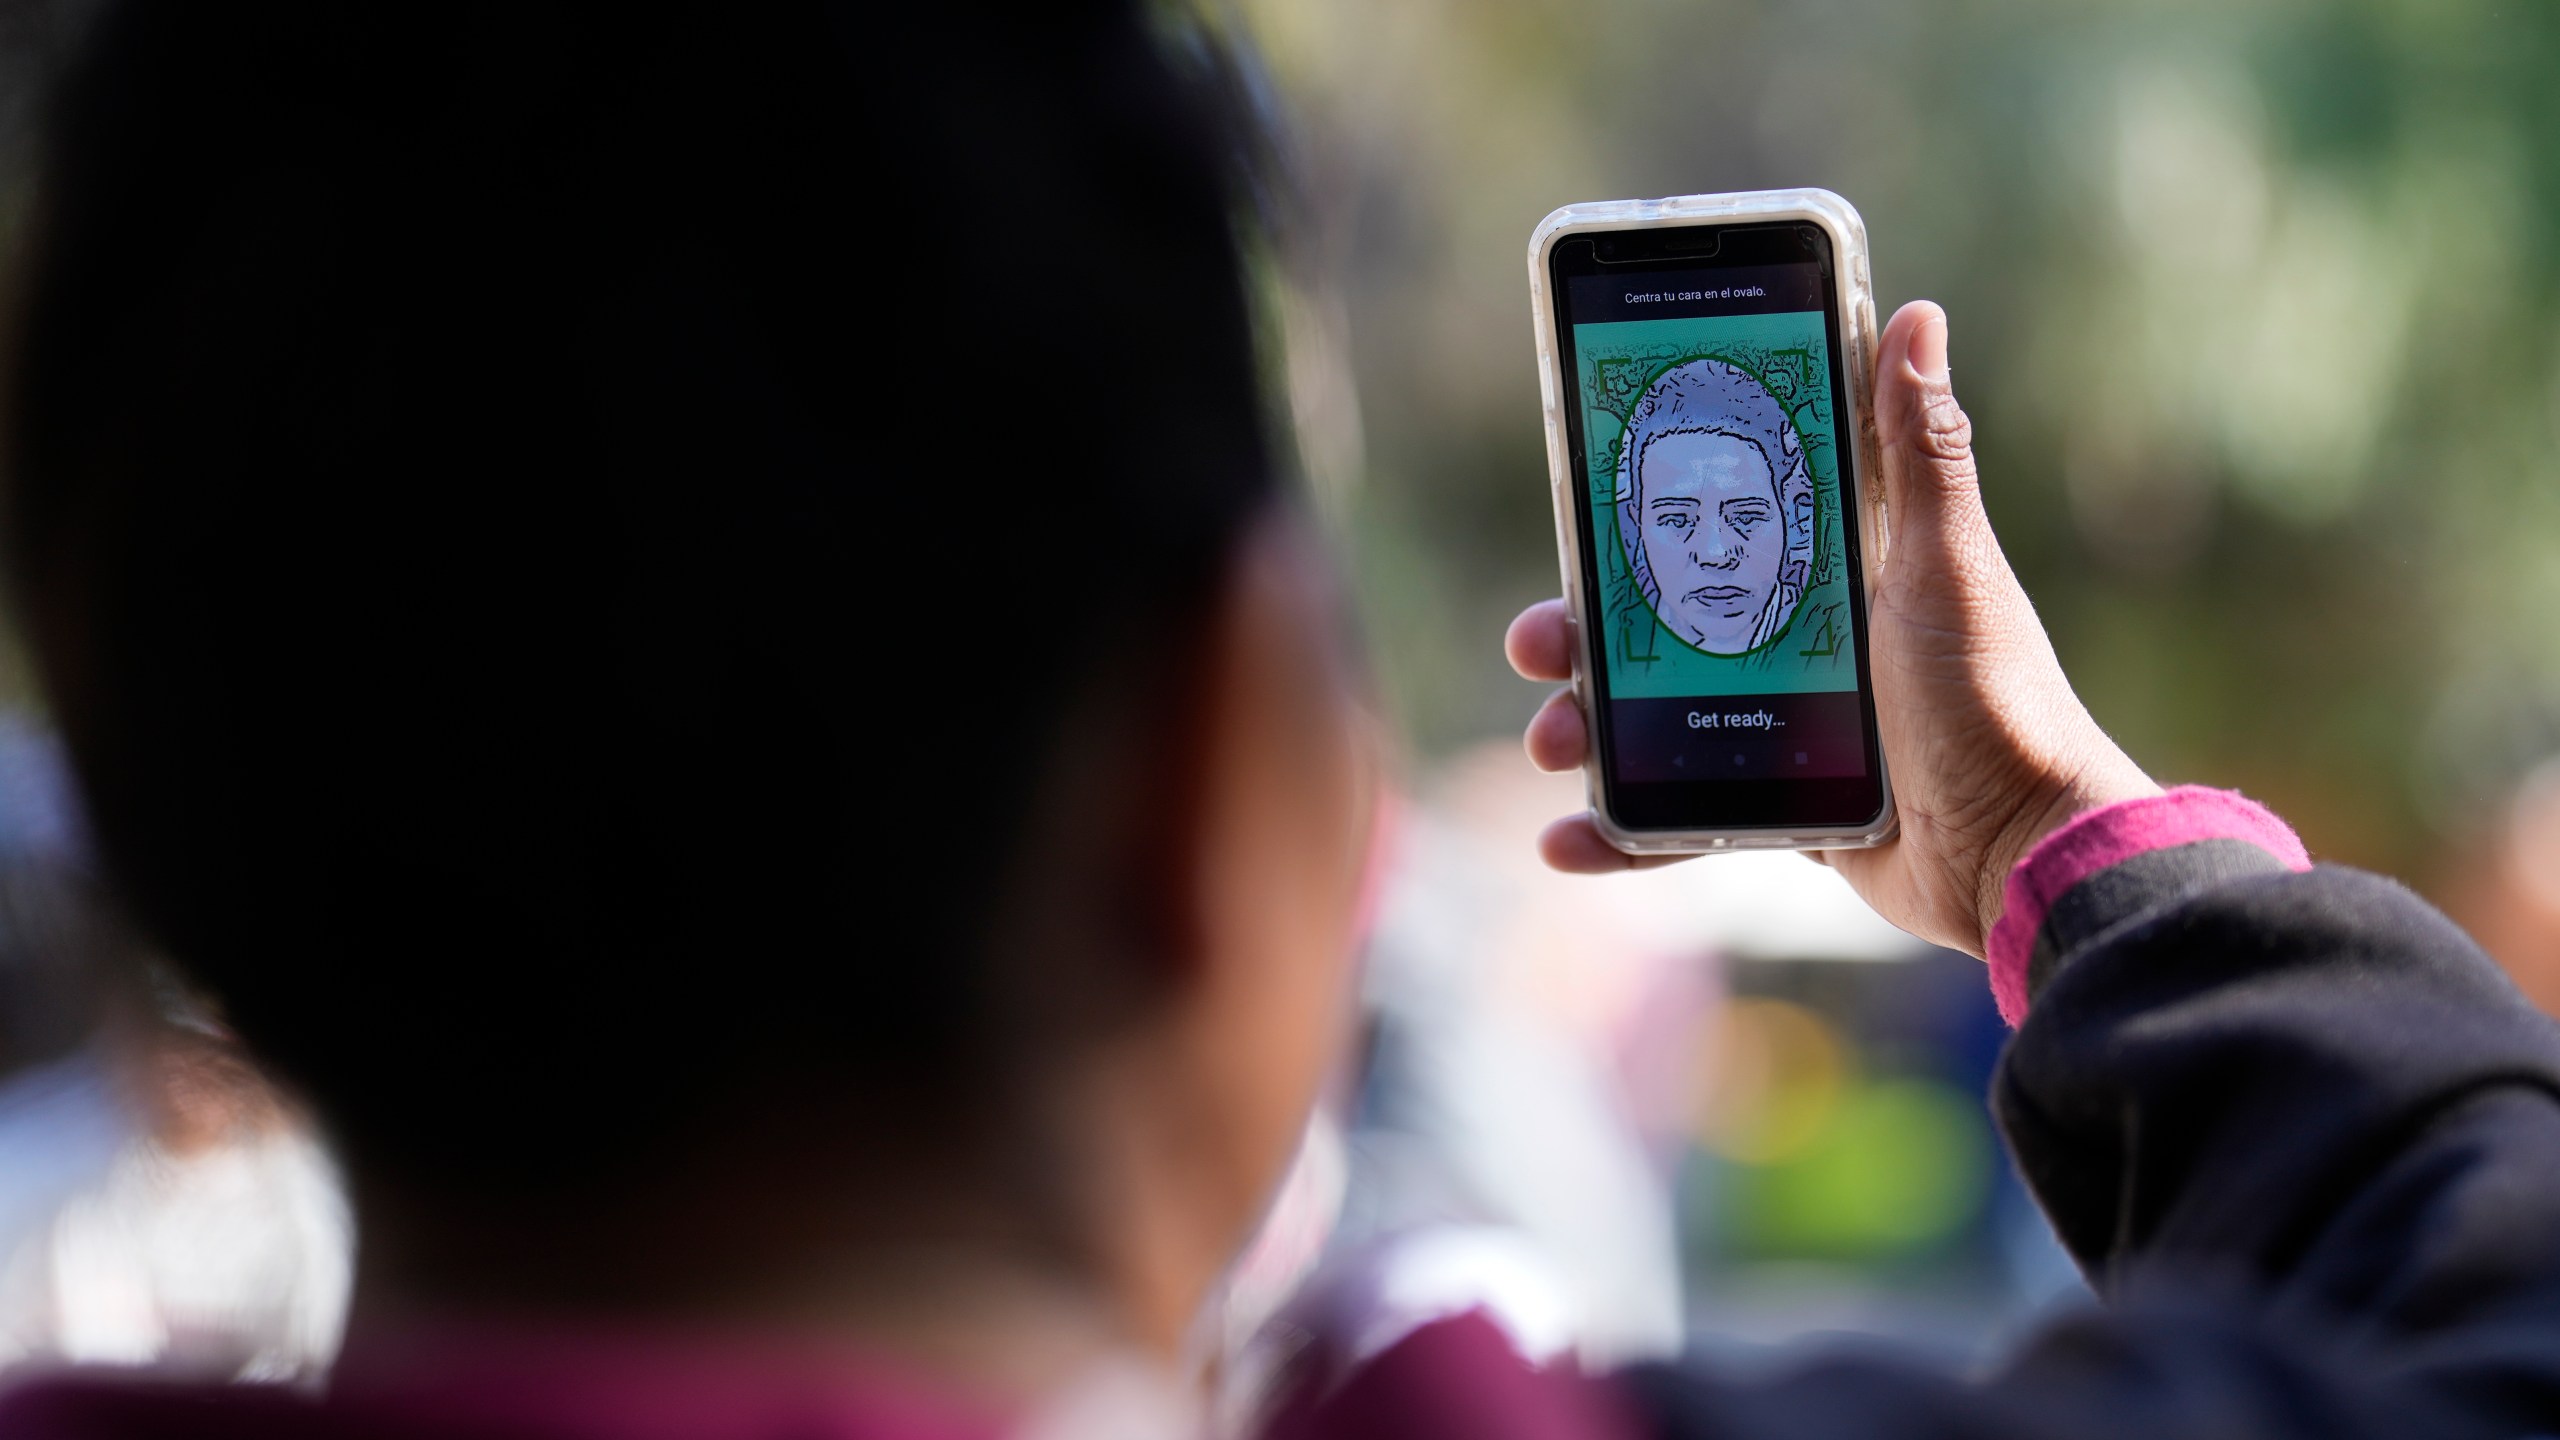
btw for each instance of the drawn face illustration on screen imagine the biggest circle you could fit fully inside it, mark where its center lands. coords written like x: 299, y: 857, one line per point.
x: 1715, y: 506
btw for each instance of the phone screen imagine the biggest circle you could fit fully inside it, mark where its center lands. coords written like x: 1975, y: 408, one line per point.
x: 1711, y: 438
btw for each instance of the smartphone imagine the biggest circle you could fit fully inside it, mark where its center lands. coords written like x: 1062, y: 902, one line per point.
x: 1706, y: 363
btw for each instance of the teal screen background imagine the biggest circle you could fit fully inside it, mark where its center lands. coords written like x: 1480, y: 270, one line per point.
x: 1789, y: 354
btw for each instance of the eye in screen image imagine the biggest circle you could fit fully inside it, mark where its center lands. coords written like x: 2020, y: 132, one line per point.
x: 1711, y: 436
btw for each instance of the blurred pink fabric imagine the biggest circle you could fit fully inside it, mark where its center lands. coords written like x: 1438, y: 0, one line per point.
x: 1459, y: 1377
x: 2108, y: 836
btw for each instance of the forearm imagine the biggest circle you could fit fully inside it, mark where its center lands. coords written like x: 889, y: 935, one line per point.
x: 2224, y: 1055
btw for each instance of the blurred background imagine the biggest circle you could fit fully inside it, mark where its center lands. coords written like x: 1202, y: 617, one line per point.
x: 2252, y: 305
x: 2254, y: 308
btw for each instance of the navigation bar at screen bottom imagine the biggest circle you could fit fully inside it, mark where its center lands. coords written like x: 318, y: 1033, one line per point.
x: 1750, y: 737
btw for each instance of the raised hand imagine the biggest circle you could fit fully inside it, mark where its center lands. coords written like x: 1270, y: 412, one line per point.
x: 1987, y: 746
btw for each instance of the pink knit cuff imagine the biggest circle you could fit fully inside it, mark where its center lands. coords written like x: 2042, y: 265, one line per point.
x: 2098, y: 839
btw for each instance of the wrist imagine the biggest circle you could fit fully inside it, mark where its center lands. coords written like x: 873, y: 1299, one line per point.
x: 2101, y: 777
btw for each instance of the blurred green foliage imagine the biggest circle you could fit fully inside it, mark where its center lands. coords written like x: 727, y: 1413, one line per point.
x: 1900, y: 1165
x: 2253, y: 307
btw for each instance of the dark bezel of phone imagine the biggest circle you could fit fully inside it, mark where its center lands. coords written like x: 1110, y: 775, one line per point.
x: 1771, y: 805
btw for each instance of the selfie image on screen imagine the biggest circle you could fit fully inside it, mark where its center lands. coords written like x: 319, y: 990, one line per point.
x: 1715, y: 492
x: 1715, y: 507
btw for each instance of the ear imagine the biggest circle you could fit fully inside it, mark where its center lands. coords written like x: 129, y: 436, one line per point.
x: 1259, y: 788
x: 1205, y: 811
x: 1102, y: 916
x: 1175, y: 804
x: 1240, y: 892
x: 1271, y: 817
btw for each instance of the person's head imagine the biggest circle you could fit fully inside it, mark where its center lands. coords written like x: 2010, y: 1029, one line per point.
x: 1716, y: 503
x: 481, y: 488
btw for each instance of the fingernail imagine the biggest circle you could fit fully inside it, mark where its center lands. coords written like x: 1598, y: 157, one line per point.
x: 1929, y: 350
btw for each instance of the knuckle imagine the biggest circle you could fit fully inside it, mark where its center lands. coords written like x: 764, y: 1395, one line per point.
x: 1945, y: 433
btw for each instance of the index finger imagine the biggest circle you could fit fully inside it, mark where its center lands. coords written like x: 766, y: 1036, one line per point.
x: 1540, y: 642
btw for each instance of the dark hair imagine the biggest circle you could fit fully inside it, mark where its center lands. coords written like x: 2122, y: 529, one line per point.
x: 481, y: 487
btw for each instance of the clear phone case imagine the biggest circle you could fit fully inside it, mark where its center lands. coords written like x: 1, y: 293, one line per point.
x: 1856, y: 298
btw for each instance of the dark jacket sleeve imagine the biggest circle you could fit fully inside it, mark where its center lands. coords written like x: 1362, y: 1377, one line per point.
x: 2304, y: 1138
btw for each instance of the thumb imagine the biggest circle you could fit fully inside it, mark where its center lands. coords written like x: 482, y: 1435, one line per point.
x: 1930, y: 487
